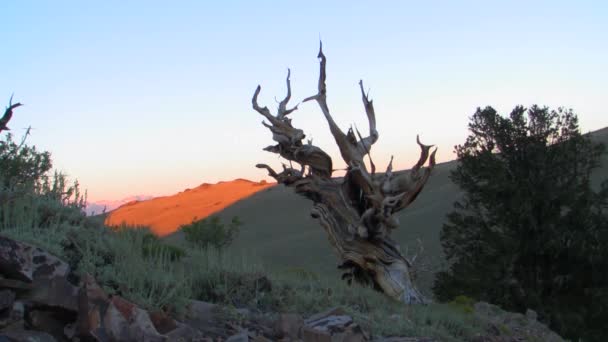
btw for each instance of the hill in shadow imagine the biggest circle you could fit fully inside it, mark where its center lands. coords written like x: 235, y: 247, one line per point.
x: 279, y: 230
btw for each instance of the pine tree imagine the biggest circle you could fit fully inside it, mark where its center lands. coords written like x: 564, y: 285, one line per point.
x: 530, y: 232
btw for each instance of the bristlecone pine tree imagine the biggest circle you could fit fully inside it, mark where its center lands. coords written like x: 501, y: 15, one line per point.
x: 357, y: 211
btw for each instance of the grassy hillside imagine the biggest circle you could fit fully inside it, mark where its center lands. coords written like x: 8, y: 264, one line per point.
x: 137, y: 266
x: 278, y: 228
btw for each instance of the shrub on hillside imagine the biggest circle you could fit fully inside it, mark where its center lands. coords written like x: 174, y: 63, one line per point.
x: 530, y: 232
x: 152, y: 246
x: 211, y: 232
x: 30, y: 193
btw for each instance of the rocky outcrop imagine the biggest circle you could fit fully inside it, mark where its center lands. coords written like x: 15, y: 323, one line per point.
x: 41, y: 300
x: 503, y: 326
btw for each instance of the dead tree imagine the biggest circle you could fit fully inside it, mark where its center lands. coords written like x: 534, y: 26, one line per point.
x: 358, y: 210
x: 8, y: 114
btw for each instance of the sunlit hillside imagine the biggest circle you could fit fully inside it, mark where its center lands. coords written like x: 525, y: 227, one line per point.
x: 165, y: 214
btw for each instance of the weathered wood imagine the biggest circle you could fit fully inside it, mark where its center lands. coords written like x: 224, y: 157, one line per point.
x: 8, y: 114
x: 358, y: 210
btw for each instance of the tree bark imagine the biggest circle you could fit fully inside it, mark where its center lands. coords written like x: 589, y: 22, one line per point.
x: 357, y: 211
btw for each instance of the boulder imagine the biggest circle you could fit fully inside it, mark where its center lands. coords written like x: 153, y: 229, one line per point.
x: 336, y: 311
x: 162, y: 322
x: 201, y: 313
x: 14, y: 284
x: 240, y: 337
x: 24, y: 262
x: 502, y: 325
x: 332, y: 326
x: 55, y: 292
x: 184, y: 332
x: 92, y: 304
x: 289, y: 326
x: 26, y: 335
x: 7, y: 298
x: 49, y: 321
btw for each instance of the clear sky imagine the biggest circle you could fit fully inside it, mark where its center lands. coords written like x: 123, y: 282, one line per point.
x: 152, y: 97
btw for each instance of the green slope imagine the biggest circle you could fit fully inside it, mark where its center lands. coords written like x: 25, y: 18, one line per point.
x: 278, y: 228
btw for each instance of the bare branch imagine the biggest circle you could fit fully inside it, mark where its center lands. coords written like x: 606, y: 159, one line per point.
x: 288, y: 176
x: 420, y: 251
x: 366, y: 144
x: 280, y: 126
x: 283, y: 111
x: 8, y: 114
x: 264, y: 111
x: 321, y: 98
x: 389, y: 168
x: 424, y: 154
x: 27, y: 132
x: 413, y: 189
x: 368, y: 152
x: 351, y: 152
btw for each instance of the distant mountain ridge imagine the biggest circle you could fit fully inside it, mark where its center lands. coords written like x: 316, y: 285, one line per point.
x: 98, y: 207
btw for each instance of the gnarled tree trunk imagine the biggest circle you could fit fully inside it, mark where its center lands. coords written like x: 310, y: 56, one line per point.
x: 357, y: 211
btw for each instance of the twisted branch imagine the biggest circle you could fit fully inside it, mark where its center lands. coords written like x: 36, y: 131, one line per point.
x: 8, y: 114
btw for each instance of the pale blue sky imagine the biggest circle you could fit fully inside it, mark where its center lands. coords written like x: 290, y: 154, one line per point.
x: 154, y: 97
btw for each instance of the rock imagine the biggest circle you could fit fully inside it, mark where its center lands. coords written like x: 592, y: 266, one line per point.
x: 36, y: 292
x: 51, y: 322
x: 13, y: 317
x: 162, y: 322
x: 406, y: 339
x: 531, y: 315
x: 313, y: 335
x: 243, y: 312
x: 332, y: 325
x: 124, y: 321
x: 27, y: 263
x: 520, y: 327
x: 26, y: 336
x: 18, y: 311
x: 55, y: 292
x: 142, y: 328
x: 241, y: 337
x: 260, y: 338
x: 289, y: 325
x: 14, y: 284
x: 92, y: 304
x: 114, y: 325
x: 184, y: 332
x: 70, y: 330
x: 330, y: 312
x: 201, y: 311
x: 7, y: 298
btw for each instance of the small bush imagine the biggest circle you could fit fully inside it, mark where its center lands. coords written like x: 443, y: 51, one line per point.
x: 152, y: 246
x: 463, y: 303
x: 211, y: 232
